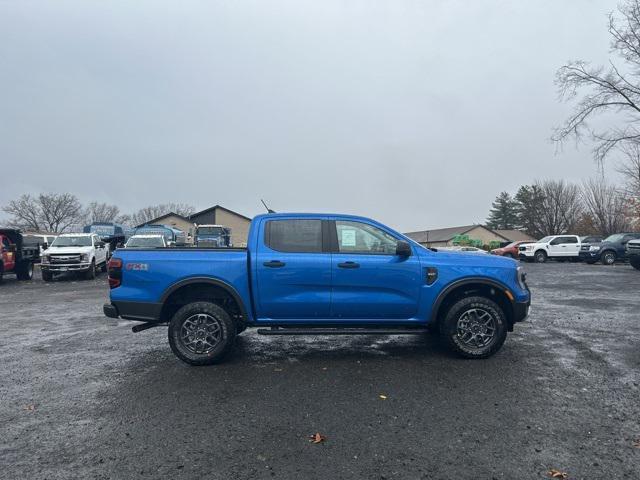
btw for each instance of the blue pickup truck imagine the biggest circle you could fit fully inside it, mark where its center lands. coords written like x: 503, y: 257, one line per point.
x: 320, y: 275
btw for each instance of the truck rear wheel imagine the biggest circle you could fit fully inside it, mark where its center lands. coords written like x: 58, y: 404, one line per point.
x: 201, y: 333
x: 24, y: 270
x: 474, y: 327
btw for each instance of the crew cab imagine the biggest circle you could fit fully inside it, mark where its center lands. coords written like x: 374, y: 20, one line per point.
x: 317, y: 274
x: 633, y: 253
x: 15, y: 256
x: 559, y: 247
x: 610, y: 250
x: 74, y: 252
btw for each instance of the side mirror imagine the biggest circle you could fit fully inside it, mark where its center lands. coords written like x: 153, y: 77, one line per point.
x: 403, y: 249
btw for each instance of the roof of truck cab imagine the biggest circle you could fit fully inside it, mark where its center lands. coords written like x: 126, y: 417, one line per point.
x: 76, y: 234
x: 312, y: 215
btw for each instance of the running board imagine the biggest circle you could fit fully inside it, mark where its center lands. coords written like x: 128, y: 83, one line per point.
x: 340, y: 331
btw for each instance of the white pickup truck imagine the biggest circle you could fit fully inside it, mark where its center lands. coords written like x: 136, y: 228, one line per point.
x: 75, y: 252
x: 559, y: 247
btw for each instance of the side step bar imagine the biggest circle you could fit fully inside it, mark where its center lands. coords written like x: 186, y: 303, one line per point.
x: 340, y: 331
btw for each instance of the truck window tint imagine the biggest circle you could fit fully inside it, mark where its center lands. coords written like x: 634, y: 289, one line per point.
x: 357, y: 237
x: 294, y: 236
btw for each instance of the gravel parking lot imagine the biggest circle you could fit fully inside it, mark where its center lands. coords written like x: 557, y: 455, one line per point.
x: 83, y: 397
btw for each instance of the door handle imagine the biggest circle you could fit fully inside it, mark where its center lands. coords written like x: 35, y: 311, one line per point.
x: 349, y: 265
x: 274, y: 264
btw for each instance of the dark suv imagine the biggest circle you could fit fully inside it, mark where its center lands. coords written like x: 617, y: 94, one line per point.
x: 609, y: 251
x: 633, y: 253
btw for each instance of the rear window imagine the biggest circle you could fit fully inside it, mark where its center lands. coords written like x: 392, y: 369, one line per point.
x: 295, y: 236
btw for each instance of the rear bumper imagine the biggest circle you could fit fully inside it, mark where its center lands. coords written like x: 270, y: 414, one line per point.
x: 141, y: 311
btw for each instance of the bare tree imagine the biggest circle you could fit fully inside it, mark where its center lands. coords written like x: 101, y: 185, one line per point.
x: 560, y: 207
x: 606, y: 90
x: 607, y: 206
x: 630, y: 169
x: 147, y: 214
x: 51, y: 212
x: 101, y: 212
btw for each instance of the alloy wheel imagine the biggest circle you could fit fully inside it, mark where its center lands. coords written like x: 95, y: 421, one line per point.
x: 201, y: 333
x: 476, y: 328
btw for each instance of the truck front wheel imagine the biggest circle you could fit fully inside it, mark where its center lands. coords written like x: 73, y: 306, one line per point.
x: 635, y: 262
x: 25, y: 271
x: 608, y: 258
x: 201, y: 333
x: 540, y: 256
x: 474, y: 327
x: 91, y: 273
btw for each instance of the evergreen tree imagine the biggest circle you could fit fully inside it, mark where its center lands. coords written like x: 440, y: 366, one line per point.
x: 503, y: 214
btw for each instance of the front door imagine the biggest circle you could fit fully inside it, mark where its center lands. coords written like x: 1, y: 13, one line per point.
x: 370, y: 282
x: 293, y: 273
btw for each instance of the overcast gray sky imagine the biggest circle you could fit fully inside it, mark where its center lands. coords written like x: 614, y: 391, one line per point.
x: 416, y: 113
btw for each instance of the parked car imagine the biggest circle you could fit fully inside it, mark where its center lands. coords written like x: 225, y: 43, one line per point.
x: 312, y: 274
x: 633, y: 253
x: 213, y: 236
x: 15, y: 256
x: 111, y: 233
x: 41, y: 240
x: 510, y: 250
x: 591, y: 239
x: 610, y: 250
x: 146, y: 241
x: 74, y: 252
x: 173, y: 236
x: 559, y: 247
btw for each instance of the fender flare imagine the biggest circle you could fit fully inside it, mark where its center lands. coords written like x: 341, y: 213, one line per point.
x: 211, y: 281
x: 435, y: 311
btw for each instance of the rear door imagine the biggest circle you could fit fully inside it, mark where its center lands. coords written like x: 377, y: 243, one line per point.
x: 8, y: 256
x: 369, y: 280
x: 293, y: 272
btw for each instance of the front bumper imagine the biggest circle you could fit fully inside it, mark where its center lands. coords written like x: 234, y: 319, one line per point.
x: 521, y: 310
x: 69, y: 267
x: 588, y: 256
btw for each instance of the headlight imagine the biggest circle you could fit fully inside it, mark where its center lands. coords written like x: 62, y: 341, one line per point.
x: 84, y: 257
x: 594, y: 248
x: 522, y: 278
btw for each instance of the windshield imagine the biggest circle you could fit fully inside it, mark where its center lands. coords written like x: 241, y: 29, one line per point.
x: 145, y: 242
x: 32, y: 241
x: 72, y: 242
x: 210, y: 231
x: 614, y: 238
x: 545, y: 239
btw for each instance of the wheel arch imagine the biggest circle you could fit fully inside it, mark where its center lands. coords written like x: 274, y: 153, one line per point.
x: 487, y: 287
x: 202, y: 289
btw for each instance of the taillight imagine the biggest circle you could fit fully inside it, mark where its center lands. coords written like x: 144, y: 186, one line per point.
x: 114, y: 267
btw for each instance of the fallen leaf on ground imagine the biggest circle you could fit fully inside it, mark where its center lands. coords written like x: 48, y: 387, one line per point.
x: 383, y: 397
x: 317, y: 438
x: 553, y: 473
x: 30, y: 408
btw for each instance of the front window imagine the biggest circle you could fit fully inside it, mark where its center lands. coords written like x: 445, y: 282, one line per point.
x: 545, y: 239
x: 357, y: 237
x: 84, y: 241
x: 210, y: 231
x: 614, y: 238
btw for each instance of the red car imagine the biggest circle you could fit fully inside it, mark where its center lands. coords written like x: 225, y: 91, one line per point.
x: 510, y: 250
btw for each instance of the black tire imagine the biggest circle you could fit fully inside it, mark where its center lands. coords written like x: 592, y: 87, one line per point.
x: 540, y: 256
x: 103, y: 267
x: 24, y: 271
x: 590, y: 262
x: 466, y: 311
x: 634, y: 261
x: 203, y: 318
x: 608, y: 257
x: 1, y: 273
x: 47, y: 276
x: 91, y: 273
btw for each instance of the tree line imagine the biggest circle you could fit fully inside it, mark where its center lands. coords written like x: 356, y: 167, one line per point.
x: 63, y: 212
x: 553, y: 207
